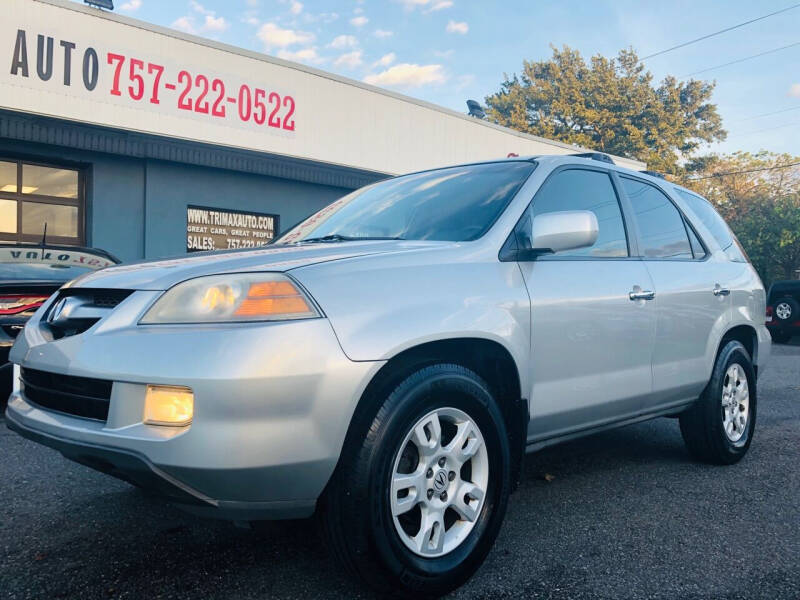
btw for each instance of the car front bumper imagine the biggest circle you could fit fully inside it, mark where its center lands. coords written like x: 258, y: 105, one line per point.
x: 272, y: 404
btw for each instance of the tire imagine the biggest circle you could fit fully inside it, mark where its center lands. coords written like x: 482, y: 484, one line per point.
x: 786, y: 310
x: 780, y: 336
x: 704, y: 425
x: 356, y: 508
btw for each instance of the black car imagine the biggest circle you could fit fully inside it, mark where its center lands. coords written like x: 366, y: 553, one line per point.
x: 783, y: 310
x: 29, y: 274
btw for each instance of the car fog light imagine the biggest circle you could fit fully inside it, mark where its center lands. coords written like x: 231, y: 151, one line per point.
x: 168, y: 405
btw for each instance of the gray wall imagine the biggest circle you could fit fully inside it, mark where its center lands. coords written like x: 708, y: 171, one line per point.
x: 136, y: 208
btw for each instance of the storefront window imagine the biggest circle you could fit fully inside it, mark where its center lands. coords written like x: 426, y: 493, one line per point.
x: 32, y: 195
x: 8, y: 177
x: 47, y: 181
x: 8, y: 216
x: 62, y: 221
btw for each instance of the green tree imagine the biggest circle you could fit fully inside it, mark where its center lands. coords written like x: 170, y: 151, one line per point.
x: 760, y: 202
x: 609, y: 105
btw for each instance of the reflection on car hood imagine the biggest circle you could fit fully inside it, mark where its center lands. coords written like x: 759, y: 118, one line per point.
x: 163, y: 274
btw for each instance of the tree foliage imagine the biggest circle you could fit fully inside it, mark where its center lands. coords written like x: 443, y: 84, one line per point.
x: 609, y: 105
x: 761, y: 204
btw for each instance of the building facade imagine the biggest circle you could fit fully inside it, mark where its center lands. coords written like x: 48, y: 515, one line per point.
x: 147, y: 142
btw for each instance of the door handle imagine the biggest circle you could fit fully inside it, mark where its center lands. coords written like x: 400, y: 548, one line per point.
x: 642, y: 295
x: 719, y: 291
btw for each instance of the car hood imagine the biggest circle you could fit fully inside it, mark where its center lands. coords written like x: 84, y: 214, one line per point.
x: 163, y: 274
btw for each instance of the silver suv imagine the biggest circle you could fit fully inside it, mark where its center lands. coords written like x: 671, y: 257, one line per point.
x: 387, y: 363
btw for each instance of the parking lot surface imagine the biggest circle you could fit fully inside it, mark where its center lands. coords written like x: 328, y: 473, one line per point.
x: 622, y: 514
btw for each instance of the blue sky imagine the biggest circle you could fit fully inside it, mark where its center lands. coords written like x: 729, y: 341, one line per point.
x: 445, y: 51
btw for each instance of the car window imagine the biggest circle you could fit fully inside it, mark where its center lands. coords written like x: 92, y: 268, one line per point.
x: 697, y: 246
x: 580, y: 189
x: 715, y: 224
x: 454, y: 204
x: 661, y: 228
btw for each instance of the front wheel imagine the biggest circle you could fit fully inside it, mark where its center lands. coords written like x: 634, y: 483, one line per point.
x: 421, y: 490
x: 719, y: 427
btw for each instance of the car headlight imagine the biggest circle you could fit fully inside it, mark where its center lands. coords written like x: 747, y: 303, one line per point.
x: 232, y: 298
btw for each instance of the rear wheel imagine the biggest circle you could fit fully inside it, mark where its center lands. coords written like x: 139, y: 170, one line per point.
x: 420, y: 492
x: 718, y: 428
x: 786, y: 310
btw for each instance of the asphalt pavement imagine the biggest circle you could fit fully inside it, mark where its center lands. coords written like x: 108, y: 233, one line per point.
x: 621, y: 514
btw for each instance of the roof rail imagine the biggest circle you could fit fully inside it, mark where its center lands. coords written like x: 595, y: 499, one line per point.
x: 595, y: 156
x: 654, y: 174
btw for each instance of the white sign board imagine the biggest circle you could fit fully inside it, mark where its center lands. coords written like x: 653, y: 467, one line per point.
x: 63, y: 60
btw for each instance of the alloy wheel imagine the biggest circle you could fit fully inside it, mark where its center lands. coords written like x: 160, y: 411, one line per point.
x: 439, y: 481
x: 735, y: 402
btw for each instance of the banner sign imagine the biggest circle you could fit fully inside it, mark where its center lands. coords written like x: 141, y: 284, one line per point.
x: 221, y: 229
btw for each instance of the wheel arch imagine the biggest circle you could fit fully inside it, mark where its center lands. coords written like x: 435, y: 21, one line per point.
x: 487, y: 358
x: 747, y: 336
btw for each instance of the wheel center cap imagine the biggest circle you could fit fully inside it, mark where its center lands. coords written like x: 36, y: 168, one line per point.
x: 440, y: 480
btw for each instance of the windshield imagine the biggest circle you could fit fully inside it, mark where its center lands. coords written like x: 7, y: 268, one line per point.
x: 34, y: 263
x: 455, y: 204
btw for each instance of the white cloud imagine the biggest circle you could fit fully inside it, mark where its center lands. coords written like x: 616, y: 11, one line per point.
x: 350, y: 60
x: 215, y: 24
x: 321, y: 17
x: 358, y: 10
x: 464, y: 81
x: 430, y: 5
x: 382, y: 33
x: 385, y: 60
x: 185, y: 24
x: 441, y: 5
x: 296, y: 7
x: 408, y: 75
x: 252, y: 3
x: 251, y: 20
x: 444, y: 53
x: 274, y: 36
x: 304, y: 55
x: 794, y: 90
x: 359, y: 21
x: 457, y: 27
x: 344, y: 41
x: 200, y: 8
x: 131, y: 6
x: 412, y: 4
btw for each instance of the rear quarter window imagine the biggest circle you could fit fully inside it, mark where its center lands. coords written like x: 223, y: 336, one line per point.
x: 709, y: 216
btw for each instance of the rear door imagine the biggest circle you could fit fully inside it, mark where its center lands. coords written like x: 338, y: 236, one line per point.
x: 692, y: 293
x: 591, y: 343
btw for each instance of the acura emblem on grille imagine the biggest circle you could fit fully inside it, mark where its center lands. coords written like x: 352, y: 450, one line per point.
x: 55, y: 312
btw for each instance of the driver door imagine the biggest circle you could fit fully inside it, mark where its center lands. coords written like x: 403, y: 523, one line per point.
x: 591, y: 342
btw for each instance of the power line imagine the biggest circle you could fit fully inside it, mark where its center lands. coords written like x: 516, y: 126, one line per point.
x: 794, y: 164
x: 781, y: 126
x: 733, y: 62
x: 705, y: 37
x: 769, y: 114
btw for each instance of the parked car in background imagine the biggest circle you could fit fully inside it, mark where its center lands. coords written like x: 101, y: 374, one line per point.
x: 783, y: 310
x: 29, y: 274
x: 387, y: 362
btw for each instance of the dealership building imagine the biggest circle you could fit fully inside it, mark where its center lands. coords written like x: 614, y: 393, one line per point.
x: 148, y: 142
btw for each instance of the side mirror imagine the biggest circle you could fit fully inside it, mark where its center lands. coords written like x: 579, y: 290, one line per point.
x: 557, y: 231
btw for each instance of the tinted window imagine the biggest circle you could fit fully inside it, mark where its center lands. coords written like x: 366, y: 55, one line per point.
x: 697, y: 247
x: 661, y: 227
x: 456, y: 204
x: 715, y: 224
x: 577, y: 189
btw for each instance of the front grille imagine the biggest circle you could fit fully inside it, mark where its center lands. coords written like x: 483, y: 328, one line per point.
x: 78, y: 396
x: 86, y: 307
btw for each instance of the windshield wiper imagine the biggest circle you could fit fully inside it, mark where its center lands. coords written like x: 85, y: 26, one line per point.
x: 336, y: 237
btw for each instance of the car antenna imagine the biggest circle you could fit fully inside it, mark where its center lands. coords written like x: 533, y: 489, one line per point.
x: 44, y: 240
